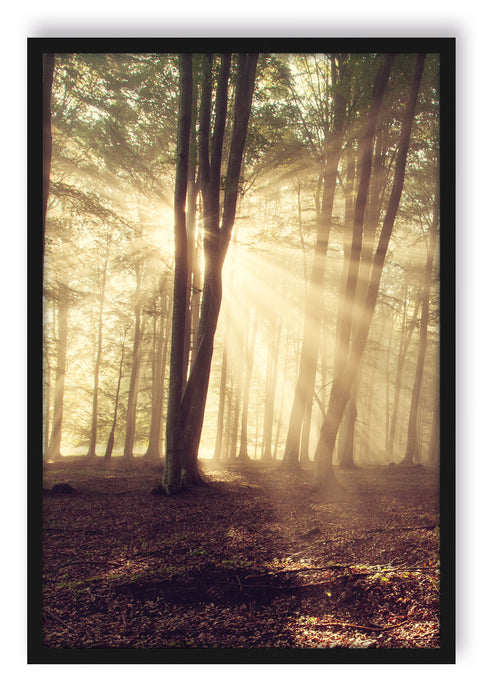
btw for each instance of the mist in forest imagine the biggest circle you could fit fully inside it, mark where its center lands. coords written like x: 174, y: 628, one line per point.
x: 326, y: 346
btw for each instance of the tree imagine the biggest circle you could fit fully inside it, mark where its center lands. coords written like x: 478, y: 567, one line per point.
x: 48, y: 68
x: 186, y: 411
x: 341, y: 389
x: 309, y: 352
x: 412, y: 437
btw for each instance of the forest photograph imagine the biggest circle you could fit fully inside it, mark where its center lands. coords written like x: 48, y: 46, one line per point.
x: 241, y: 351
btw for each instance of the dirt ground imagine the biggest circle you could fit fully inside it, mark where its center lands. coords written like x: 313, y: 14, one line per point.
x: 254, y: 559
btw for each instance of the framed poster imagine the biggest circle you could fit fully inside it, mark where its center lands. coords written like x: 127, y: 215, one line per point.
x: 241, y: 265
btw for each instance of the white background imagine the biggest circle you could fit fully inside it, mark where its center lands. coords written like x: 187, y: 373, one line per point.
x: 471, y: 24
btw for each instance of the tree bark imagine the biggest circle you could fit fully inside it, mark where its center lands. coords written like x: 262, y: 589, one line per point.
x: 174, y: 432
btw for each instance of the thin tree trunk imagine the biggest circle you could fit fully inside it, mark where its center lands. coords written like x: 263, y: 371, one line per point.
x: 111, y: 437
x: 46, y: 400
x: 412, y: 436
x: 153, y: 453
x: 94, y: 413
x: 243, y: 451
x: 48, y: 69
x: 174, y: 435
x: 434, y: 446
x: 53, y: 451
x: 405, y: 339
x: 271, y: 387
x: 130, y: 431
x: 221, y: 400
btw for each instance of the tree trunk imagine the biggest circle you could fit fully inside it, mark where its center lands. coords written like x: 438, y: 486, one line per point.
x: 53, y: 451
x: 185, y: 422
x: 341, y: 389
x: 99, y: 347
x: 221, y: 399
x: 271, y: 387
x: 405, y: 339
x: 312, y: 319
x: 243, y: 452
x: 46, y: 401
x: 153, y: 453
x: 412, y: 435
x: 48, y: 69
x: 111, y: 437
x: 130, y: 423
x: 174, y: 432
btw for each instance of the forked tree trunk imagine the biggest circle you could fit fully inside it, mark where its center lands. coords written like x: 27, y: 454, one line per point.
x: 185, y: 418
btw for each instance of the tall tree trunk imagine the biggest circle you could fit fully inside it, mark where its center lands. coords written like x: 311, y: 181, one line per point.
x: 412, y: 435
x: 243, y: 452
x: 405, y: 339
x: 191, y: 207
x: 99, y: 348
x: 46, y: 401
x: 312, y: 319
x: 341, y: 389
x: 187, y: 421
x: 271, y: 386
x: 48, y: 69
x: 111, y: 437
x: 53, y: 451
x: 221, y: 401
x: 130, y: 422
x: 174, y: 432
x: 153, y: 451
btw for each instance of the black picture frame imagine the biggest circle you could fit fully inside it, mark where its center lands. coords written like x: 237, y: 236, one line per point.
x: 36, y: 653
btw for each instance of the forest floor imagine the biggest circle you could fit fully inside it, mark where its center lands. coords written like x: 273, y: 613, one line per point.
x: 253, y: 559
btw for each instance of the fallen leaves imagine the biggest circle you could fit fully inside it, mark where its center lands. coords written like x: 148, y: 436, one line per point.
x: 250, y: 560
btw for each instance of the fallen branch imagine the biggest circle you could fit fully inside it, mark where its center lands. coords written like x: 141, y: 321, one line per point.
x: 369, y: 628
